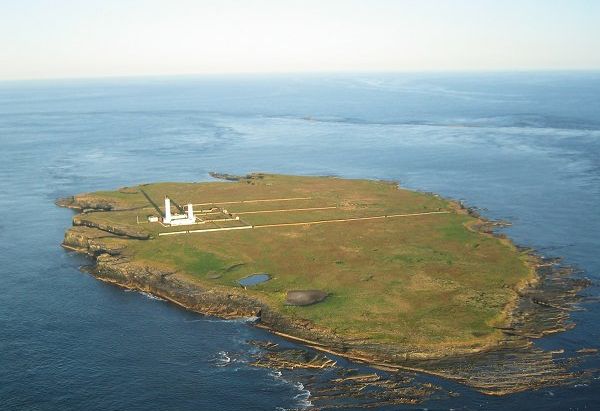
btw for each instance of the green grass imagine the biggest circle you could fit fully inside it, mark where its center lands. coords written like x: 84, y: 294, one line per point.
x: 200, y: 263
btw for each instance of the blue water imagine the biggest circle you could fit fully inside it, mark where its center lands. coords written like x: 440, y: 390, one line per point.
x: 254, y: 279
x: 524, y: 147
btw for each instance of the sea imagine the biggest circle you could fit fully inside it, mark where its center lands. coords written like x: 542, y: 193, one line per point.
x: 520, y: 146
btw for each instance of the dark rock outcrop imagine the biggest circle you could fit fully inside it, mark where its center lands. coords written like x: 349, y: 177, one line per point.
x: 234, y: 177
x: 87, y: 202
x: 81, y: 220
x: 92, y: 241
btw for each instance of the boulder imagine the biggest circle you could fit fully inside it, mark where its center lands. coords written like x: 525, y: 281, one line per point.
x: 305, y: 297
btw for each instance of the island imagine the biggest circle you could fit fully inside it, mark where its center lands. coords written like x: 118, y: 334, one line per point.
x: 362, y: 269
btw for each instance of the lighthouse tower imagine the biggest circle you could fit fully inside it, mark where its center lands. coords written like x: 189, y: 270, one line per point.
x: 178, y: 219
x: 167, y: 219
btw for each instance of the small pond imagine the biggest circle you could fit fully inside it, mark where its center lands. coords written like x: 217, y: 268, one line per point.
x: 254, y: 279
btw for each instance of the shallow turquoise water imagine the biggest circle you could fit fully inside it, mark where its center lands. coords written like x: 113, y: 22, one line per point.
x: 523, y: 147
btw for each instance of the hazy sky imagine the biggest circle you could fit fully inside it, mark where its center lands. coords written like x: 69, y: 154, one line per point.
x: 84, y: 38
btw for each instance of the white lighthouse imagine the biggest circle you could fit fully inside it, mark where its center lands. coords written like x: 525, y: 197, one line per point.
x: 167, y: 219
x: 178, y: 219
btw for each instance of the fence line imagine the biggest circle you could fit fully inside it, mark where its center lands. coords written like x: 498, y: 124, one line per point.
x: 286, y: 209
x: 255, y: 201
x: 339, y: 220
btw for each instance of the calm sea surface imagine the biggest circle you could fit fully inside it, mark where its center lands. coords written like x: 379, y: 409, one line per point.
x: 524, y: 147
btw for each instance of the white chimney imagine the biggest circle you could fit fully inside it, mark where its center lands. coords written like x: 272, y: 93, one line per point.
x: 167, y: 219
x: 190, y: 212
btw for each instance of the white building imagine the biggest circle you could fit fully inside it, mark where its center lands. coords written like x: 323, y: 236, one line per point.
x: 178, y: 219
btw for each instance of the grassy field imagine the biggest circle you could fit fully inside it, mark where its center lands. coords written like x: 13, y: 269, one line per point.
x: 417, y: 280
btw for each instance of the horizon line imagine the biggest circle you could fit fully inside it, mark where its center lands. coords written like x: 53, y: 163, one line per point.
x: 301, y: 73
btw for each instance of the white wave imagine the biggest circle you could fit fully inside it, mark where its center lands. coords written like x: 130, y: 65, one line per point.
x: 276, y: 374
x: 151, y: 296
x: 251, y: 319
x: 208, y: 320
x: 222, y: 360
x: 303, y: 396
x: 223, y: 320
x: 144, y: 293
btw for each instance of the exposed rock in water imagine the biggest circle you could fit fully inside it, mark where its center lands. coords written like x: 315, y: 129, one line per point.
x: 292, y: 359
x: 373, y: 390
x: 335, y: 386
x: 67, y: 202
x: 90, y: 202
x: 305, y: 297
x: 234, y: 177
x: 226, y: 176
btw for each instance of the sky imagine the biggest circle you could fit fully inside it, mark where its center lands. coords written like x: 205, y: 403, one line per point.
x: 85, y: 38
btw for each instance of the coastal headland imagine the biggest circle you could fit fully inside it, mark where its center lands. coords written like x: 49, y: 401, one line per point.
x: 357, y: 268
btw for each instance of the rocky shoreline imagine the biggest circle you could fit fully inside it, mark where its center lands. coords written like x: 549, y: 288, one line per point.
x: 508, y: 366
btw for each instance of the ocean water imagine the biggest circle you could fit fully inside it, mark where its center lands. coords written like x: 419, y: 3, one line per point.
x: 524, y: 147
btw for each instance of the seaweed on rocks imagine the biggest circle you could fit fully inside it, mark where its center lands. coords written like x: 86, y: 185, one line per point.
x: 333, y: 386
